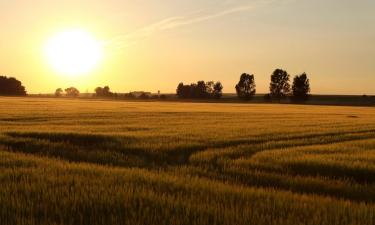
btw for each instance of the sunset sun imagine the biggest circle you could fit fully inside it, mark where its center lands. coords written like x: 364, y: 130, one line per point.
x: 73, y: 52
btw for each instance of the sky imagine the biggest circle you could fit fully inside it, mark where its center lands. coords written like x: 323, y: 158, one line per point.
x: 153, y: 45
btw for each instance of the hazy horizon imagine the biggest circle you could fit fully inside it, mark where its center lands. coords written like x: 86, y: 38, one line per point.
x: 151, y: 46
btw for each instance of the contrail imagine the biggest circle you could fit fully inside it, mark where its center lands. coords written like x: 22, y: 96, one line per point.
x: 178, y: 21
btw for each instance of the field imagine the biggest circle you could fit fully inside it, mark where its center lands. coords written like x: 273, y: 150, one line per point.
x: 105, y: 162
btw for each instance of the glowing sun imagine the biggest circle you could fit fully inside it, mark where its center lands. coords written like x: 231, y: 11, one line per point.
x: 73, y: 52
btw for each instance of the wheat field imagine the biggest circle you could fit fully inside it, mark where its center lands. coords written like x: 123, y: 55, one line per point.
x: 70, y: 161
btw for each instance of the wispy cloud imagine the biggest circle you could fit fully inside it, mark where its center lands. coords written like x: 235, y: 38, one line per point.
x: 179, y: 21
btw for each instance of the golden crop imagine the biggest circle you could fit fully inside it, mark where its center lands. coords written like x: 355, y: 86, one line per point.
x: 105, y: 162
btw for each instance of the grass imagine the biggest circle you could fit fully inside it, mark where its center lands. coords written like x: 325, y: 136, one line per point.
x: 100, y: 162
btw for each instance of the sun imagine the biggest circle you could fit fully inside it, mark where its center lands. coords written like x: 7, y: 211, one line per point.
x: 73, y: 52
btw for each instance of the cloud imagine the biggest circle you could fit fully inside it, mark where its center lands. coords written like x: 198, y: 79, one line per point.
x: 179, y: 21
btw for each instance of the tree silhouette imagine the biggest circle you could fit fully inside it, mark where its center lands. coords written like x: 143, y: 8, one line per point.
x: 59, y: 92
x: 183, y: 91
x: 279, y: 86
x: 98, y: 91
x: 200, y: 90
x: 218, y: 90
x: 179, y: 90
x: 106, y: 91
x: 210, y: 88
x: 301, y: 87
x: 246, y: 86
x: 72, y: 92
x: 103, y: 92
x: 11, y: 87
x: 194, y: 91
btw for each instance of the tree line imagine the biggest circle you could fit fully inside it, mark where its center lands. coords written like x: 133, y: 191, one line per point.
x: 69, y: 92
x: 74, y: 92
x: 246, y: 88
x: 105, y: 92
x: 280, y: 88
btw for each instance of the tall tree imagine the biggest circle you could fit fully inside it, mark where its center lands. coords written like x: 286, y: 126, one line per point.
x: 11, y: 87
x: 279, y: 86
x: 301, y: 87
x: 246, y: 86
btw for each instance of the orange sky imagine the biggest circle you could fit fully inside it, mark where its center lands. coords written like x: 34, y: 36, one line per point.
x: 153, y: 45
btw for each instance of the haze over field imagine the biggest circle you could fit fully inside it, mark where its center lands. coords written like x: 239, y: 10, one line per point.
x: 149, y: 45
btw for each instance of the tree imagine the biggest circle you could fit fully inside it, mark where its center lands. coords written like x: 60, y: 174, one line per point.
x: 210, y: 88
x: 184, y: 91
x: 179, y: 90
x: 201, y: 90
x: 11, y: 87
x: 107, y: 91
x: 72, y: 92
x: 98, y: 91
x: 246, y: 86
x: 218, y: 90
x: 59, y: 92
x: 193, y: 90
x: 103, y: 92
x: 301, y: 87
x: 279, y: 86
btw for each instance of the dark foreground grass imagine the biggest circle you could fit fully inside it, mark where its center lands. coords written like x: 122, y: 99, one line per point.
x: 45, y: 191
x: 92, y: 162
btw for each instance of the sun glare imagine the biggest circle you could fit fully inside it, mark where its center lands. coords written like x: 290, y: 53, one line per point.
x: 73, y: 52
